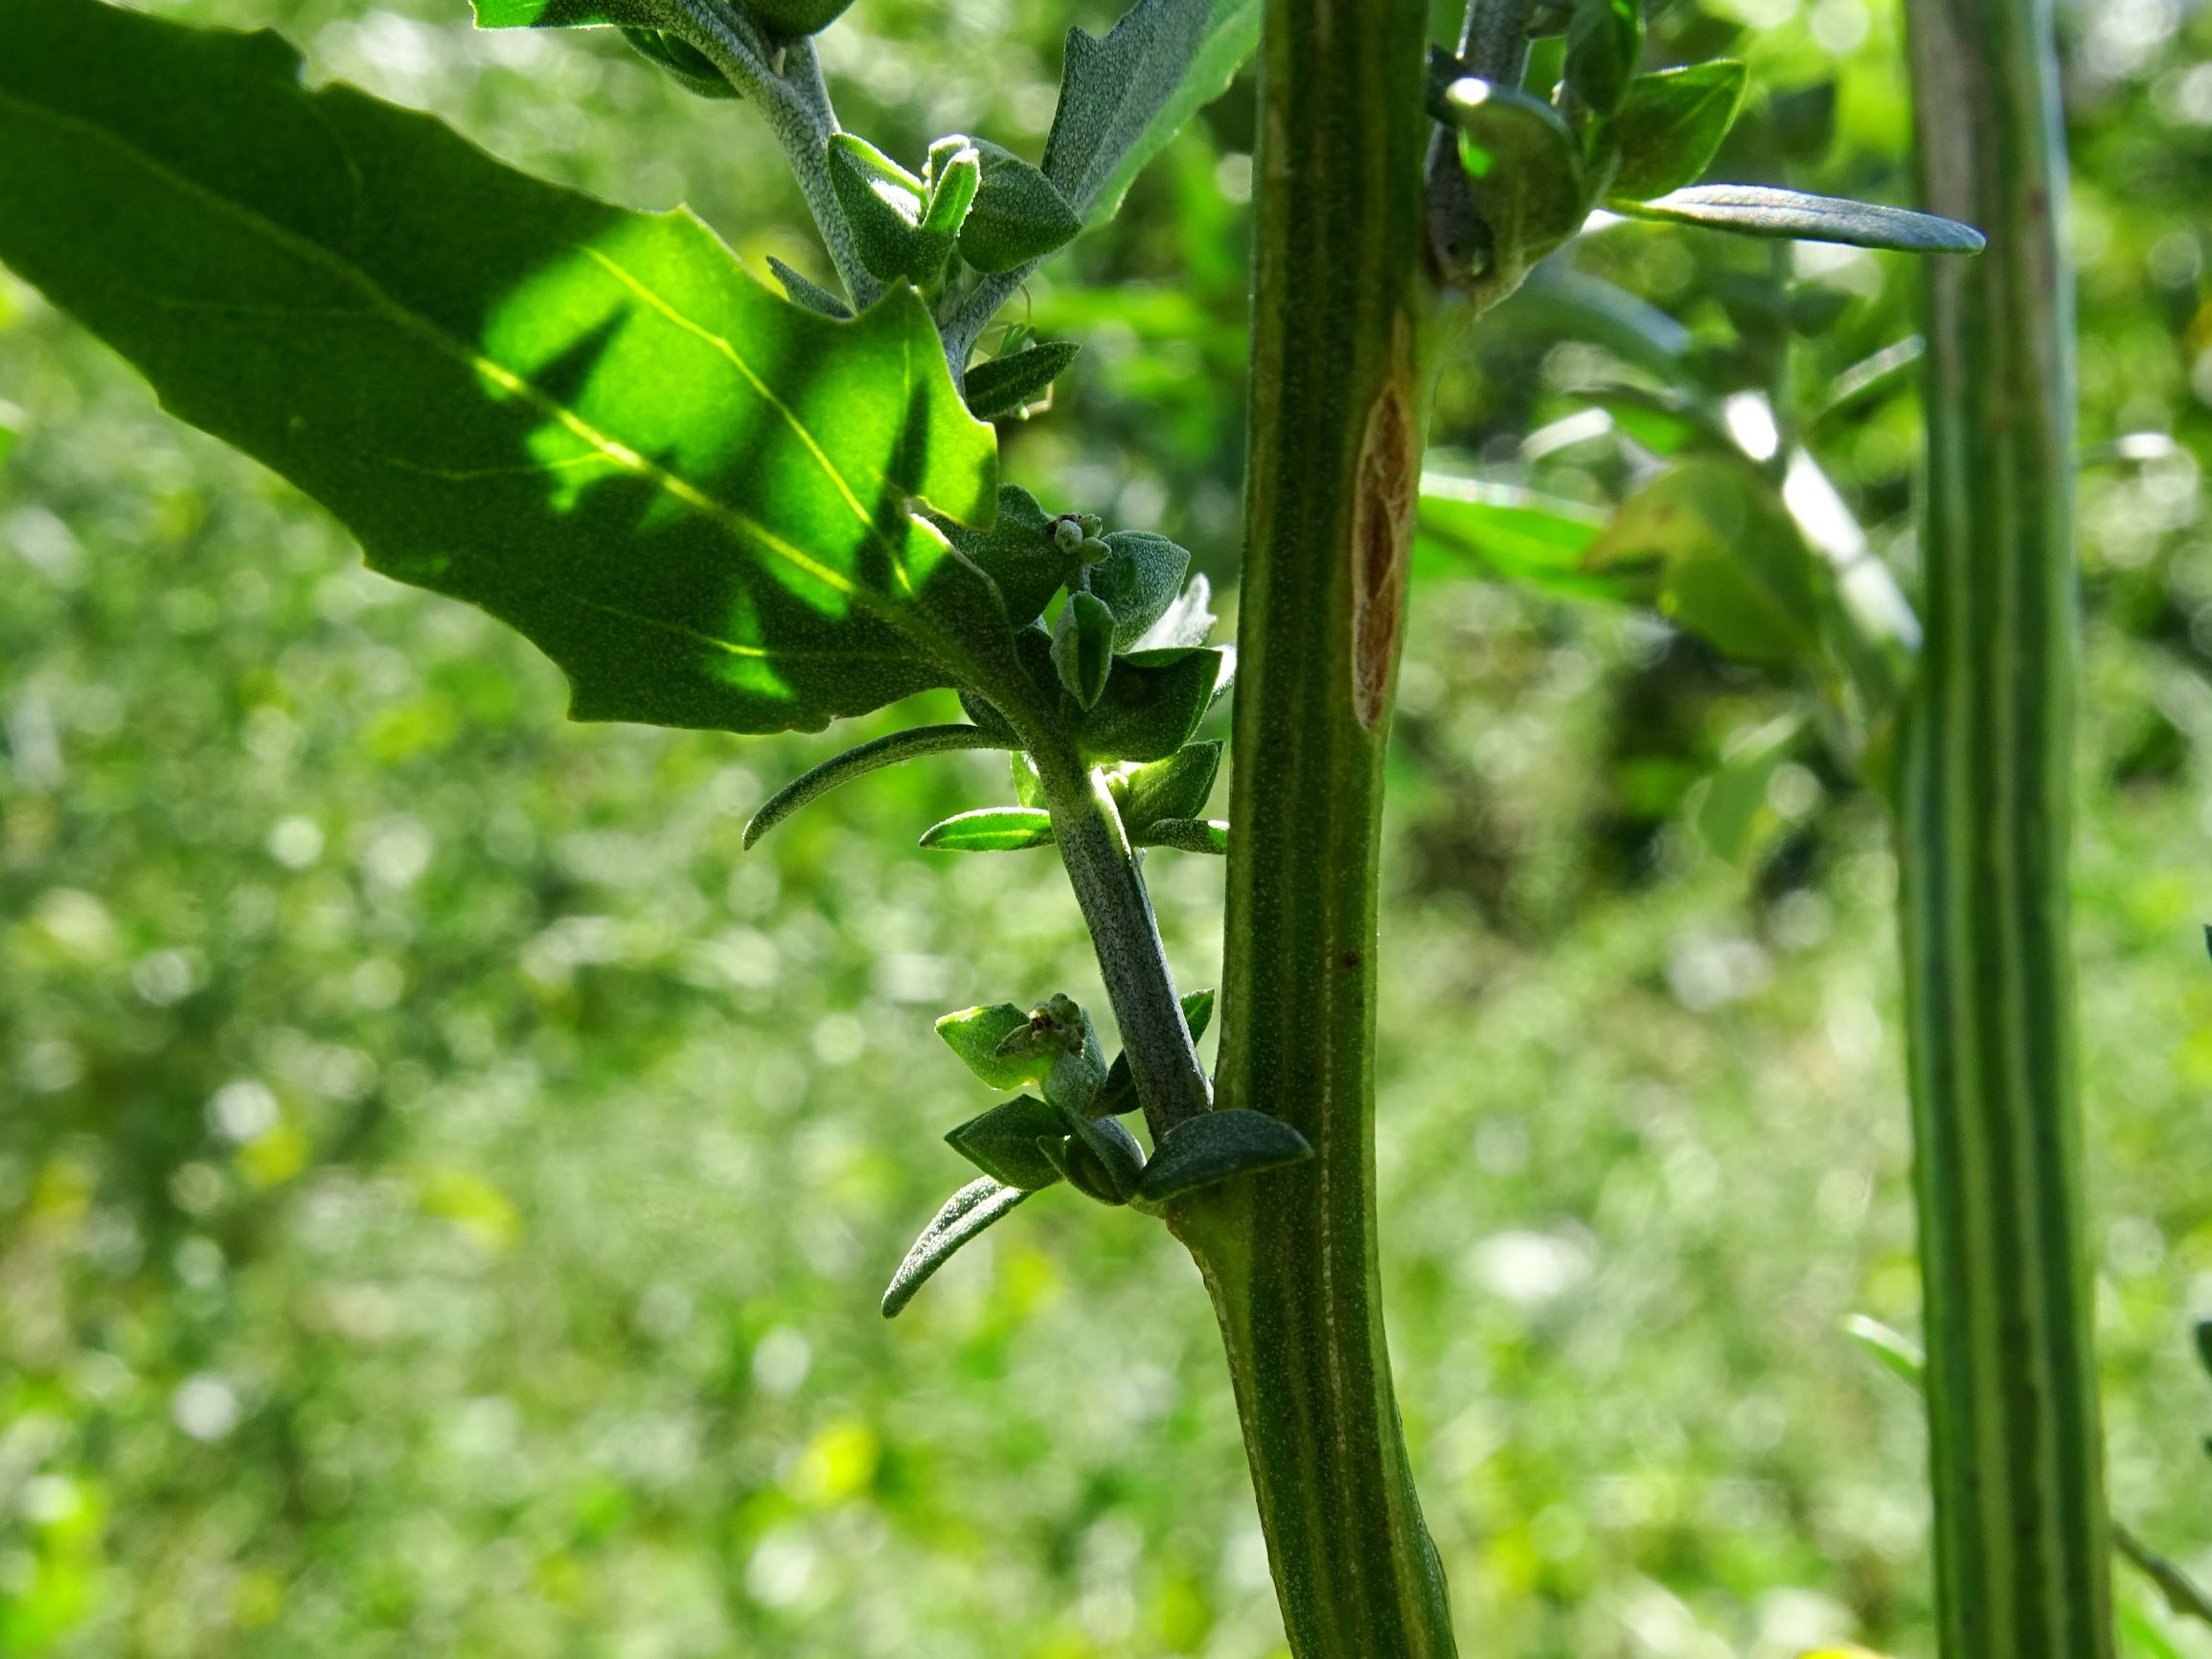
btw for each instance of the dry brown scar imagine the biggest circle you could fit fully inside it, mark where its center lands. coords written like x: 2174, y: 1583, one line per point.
x: 1387, y: 488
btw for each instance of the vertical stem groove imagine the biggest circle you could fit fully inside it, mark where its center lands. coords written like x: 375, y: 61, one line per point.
x: 1337, y: 404
x: 2020, y: 1533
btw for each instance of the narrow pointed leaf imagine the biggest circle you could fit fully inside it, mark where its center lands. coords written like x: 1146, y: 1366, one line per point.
x: 1669, y: 125
x: 1003, y: 1143
x: 1083, y: 647
x: 991, y: 830
x: 805, y: 291
x: 1215, y: 1146
x: 694, y: 495
x: 1209, y: 835
x: 685, y: 64
x: 1028, y: 786
x: 952, y: 188
x: 966, y: 1215
x: 1123, y: 97
x: 1752, y: 209
x: 859, y: 762
x: 1006, y: 384
x: 1894, y: 1351
x: 1120, y: 1094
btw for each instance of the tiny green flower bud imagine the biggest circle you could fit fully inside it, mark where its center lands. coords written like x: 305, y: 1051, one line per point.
x: 1094, y: 551
x: 1092, y: 524
x: 1066, y: 535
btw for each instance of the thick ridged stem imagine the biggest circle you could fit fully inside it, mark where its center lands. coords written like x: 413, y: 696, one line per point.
x: 1338, y: 399
x: 2020, y: 1531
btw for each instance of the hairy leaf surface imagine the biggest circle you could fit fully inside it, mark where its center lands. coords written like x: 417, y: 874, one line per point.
x: 696, y: 497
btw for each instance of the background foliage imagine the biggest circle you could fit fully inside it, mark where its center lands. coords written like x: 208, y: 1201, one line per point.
x: 445, y: 1185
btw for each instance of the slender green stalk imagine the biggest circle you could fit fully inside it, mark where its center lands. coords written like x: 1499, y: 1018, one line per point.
x: 1337, y: 404
x: 2020, y: 1531
x: 859, y: 761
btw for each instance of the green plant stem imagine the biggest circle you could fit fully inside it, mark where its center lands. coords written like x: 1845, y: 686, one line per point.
x: 1109, y: 888
x: 1338, y: 403
x: 786, y: 84
x: 2021, y: 1528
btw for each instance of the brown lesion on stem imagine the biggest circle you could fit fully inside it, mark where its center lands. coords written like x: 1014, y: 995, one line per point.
x: 1386, y: 490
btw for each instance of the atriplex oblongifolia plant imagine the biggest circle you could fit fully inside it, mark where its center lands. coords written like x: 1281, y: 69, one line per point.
x: 715, y: 506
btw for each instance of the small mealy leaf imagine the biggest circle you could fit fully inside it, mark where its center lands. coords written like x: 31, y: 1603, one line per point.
x: 1003, y: 1143
x: 1188, y: 621
x: 1124, y: 97
x: 1018, y: 214
x: 1603, y: 40
x: 883, y: 204
x: 1176, y: 787
x: 1005, y: 385
x: 1524, y: 171
x: 966, y: 1215
x: 953, y: 180
x: 685, y: 64
x: 1028, y: 786
x: 1151, y: 707
x: 1215, y: 1146
x: 978, y: 1035
x: 1138, y: 579
x: 1210, y: 835
x: 806, y: 292
x: 1669, y: 125
x: 1017, y: 552
x: 1082, y: 647
x: 991, y: 830
x: 1754, y: 210
x: 1113, y: 1153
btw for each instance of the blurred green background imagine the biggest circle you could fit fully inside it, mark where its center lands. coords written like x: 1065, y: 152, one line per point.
x: 445, y: 1185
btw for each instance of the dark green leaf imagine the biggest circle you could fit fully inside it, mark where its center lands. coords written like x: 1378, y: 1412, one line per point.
x: 1815, y: 308
x: 1209, y: 835
x: 1215, y: 1147
x: 1603, y: 39
x: 977, y: 1036
x: 1150, y: 708
x: 790, y: 18
x: 1176, y: 787
x: 690, y: 68
x: 1669, y: 125
x: 1120, y: 1094
x: 1028, y: 786
x: 1754, y: 210
x: 859, y: 762
x: 2204, y: 1344
x: 1803, y: 119
x: 991, y: 830
x: 805, y: 291
x: 1732, y: 567
x: 1017, y: 552
x: 1006, y: 384
x: 975, y: 1207
x: 1138, y: 579
x: 1124, y: 97
x: 1112, y: 1149
x: 1083, y: 647
x: 1018, y: 214
x: 1525, y: 171
x: 1003, y: 1143
x: 696, y: 496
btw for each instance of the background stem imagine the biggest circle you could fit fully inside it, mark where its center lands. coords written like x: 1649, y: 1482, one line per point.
x: 1333, y: 469
x: 2020, y: 1531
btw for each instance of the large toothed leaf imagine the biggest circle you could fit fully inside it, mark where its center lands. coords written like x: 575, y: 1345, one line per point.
x: 696, y: 497
x: 1752, y: 209
x: 1124, y: 97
